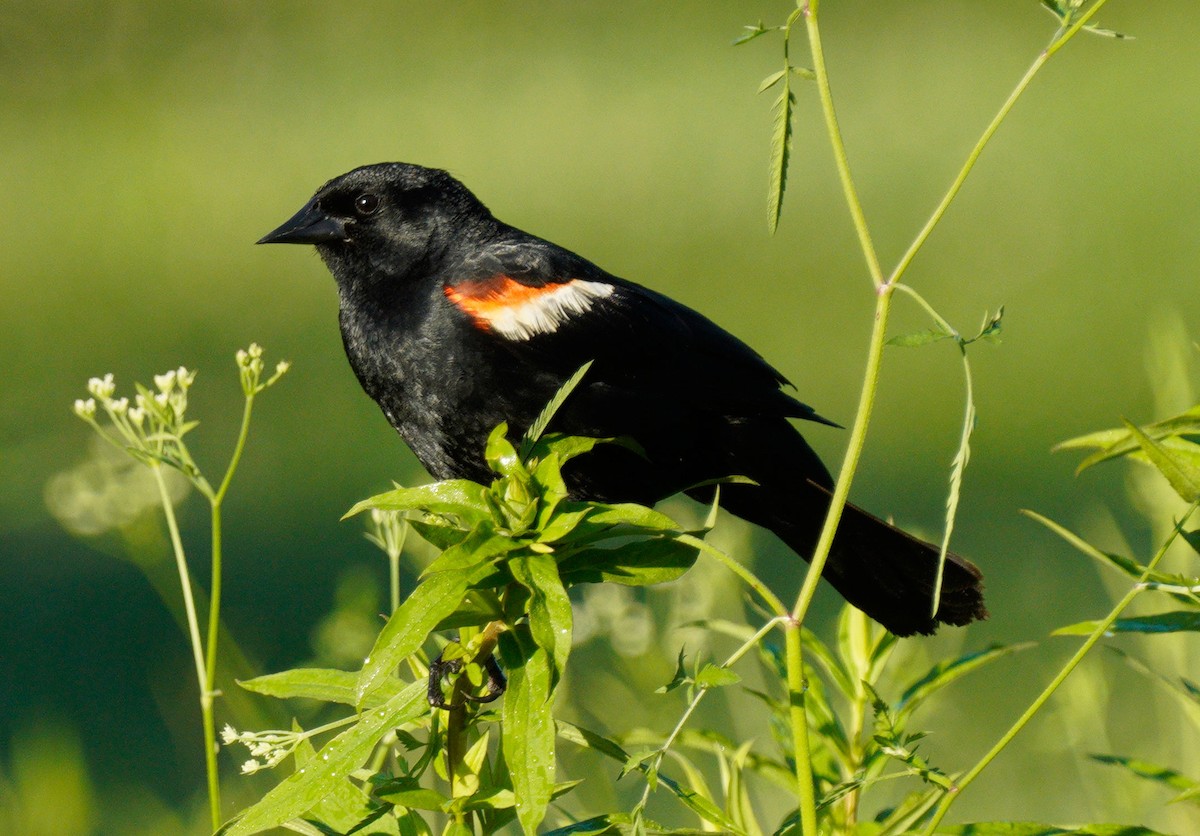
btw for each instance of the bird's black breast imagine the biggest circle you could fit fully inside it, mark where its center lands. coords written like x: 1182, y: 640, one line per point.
x: 439, y: 381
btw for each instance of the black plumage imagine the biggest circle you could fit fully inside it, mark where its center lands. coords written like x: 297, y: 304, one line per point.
x: 454, y: 321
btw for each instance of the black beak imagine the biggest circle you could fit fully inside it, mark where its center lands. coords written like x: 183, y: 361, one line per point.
x: 308, y: 226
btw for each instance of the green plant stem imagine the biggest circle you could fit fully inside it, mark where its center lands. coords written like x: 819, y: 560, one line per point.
x: 193, y: 625
x: 1058, y: 42
x: 699, y: 695
x: 884, y: 289
x: 952, y: 795
x: 809, y: 10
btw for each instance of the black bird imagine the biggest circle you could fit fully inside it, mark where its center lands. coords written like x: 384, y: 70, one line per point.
x: 454, y: 321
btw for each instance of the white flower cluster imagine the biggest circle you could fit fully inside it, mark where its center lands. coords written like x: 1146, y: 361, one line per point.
x: 250, y: 367
x: 267, y: 749
x: 152, y: 427
x: 388, y: 530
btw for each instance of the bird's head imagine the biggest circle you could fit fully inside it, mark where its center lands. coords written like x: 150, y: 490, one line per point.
x: 383, y: 222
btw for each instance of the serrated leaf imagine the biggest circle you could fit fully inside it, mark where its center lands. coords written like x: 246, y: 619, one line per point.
x: 1182, y: 472
x: 527, y: 725
x: 944, y: 673
x: 301, y: 791
x: 781, y: 150
x: 321, y: 684
x: 548, y: 411
x: 714, y: 676
x: 1180, y: 621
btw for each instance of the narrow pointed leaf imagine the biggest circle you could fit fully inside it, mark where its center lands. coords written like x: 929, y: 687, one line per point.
x: 1182, y: 621
x: 461, y: 498
x: 528, y: 726
x: 944, y: 673
x: 781, y: 151
x: 1182, y: 472
x: 348, y: 751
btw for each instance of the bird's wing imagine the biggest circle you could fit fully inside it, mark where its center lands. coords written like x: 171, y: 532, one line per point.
x: 544, y: 304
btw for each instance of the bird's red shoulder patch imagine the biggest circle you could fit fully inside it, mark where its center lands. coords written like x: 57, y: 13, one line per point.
x: 517, y: 311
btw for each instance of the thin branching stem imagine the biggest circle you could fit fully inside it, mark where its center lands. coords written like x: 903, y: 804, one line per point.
x: 193, y: 625
x: 1101, y: 629
x: 883, y: 298
x: 1058, y: 42
x: 809, y: 10
x: 734, y: 657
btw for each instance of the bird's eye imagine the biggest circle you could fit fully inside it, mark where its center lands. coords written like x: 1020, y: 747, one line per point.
x: 366, y: 204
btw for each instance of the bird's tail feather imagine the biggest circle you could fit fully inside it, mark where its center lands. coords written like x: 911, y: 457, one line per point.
x: 884, y: 571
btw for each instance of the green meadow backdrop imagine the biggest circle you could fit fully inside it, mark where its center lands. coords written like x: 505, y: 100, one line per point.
x: 145, y: 146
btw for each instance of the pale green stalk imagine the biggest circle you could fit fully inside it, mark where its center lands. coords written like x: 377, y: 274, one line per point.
x: 203, y: 671
x: 1101, y: 629
x: 857, y: 440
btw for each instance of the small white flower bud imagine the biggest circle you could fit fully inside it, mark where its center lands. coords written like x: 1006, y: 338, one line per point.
x: 165, y: 382
x: 229, y: 735
x: 137, y: 415
x: 119, y: 406
x: 102, y: 388
x: 250, y: 767
x: 85, y: 409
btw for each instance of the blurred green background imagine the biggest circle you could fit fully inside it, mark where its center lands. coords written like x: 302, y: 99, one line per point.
x: 145, y: 146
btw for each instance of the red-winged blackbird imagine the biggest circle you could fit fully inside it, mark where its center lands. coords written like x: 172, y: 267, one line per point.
x: 455, y: 321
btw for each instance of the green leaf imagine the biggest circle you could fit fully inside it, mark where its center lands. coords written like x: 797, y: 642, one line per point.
x: 549, y: 607
x: 562, y: 524
x: 543, y: 420
x: 473, y: 555
x: 408, y: 793
x: 459, y: 498
x: 920, y: 338
x: 321, y: 684
x: 680, y: 677
x: 633, y: 515
x: 1180, y: 621
x: 752, y: 32
x: 640, y: 563
x: 344, y: 809
x: 714, y: 676
x: 781, y: 151
x: 591, y: 740
x: 771, y: 80
x: 944, y: 673
x: 434, y: 599
x: 1127, y: 566
x: 1151, y: 772
x: 1181, y: 471
x: 528, y: 725
x: 348, y: 751
x: 439, y: 535
x: 500, y: 454
x: 1003, y: 828
x: 824, y: 657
